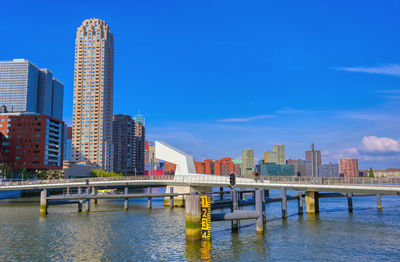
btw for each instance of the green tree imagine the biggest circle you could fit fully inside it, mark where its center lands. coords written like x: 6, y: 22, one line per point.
x: 102, y: 173
x: 6, y: 170
x: 371, y: 172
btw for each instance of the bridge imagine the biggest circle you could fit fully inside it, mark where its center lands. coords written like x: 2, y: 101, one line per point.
x: 186, y: 182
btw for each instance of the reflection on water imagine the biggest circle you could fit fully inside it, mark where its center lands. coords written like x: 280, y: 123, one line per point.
x: 108, y: 233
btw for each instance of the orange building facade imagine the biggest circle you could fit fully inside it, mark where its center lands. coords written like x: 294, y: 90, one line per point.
x: 221, y: 167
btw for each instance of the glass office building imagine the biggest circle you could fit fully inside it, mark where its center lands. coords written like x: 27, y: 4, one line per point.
x: 26, y: 88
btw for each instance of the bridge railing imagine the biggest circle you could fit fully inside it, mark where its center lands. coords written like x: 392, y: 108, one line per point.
x: 212, y: 179
x: 84, y: 180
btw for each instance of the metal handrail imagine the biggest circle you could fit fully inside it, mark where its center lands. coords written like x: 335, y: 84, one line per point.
x: 214, y: 179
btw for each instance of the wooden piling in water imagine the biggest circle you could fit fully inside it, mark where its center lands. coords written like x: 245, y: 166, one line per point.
x: 284, y: 202
x: 193, y: 218
x: 43, y: 202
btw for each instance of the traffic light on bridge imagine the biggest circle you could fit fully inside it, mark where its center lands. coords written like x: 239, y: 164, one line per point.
x: 232, y: 179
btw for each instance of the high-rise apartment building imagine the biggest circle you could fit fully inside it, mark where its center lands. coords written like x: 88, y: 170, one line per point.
x: 124, y: 141
x: 280, y: 154
x: 248, y: 163
x: 140, y: 135
x: 315, y: 157
x: 68, y: 143
x: 348, y: 167
x: 270, y: 157
x: 26, y: 88
x: 93, y: 94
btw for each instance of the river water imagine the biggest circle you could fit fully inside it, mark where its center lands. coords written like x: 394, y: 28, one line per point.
x: 108, y: 233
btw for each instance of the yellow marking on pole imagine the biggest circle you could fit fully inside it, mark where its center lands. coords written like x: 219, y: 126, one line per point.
x: 206, y: 217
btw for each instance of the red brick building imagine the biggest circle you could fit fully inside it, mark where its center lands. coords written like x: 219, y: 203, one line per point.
x: 222, y: 167
x: 169, y: 168
x: 31, y: 141
x: 349, y: 167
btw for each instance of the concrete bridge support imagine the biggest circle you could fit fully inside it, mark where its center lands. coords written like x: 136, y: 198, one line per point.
x: 263, y: 206
x: 312, y: 202
x: 259, y: 210
x: 378, y: 202
x: 79, y: 201
x: 235, y: 206
x: 193, y: 218
x: 179, y: 201
x: 126, y: 201
x: 94, y: 192
x: 221, y: 193
x: 88, y: 200
x: 300, y: 203
x: 284, y: 203
x: 350, y: 202
x: 43, y: 202
x: 171, y: 198
x: 149, y: 199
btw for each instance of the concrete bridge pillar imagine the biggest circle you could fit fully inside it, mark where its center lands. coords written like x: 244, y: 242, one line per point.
x: 88, y: 200
x: 350, y: 202
x: 79, y: 201
x: 94, y: 192
x: 260, y: 219
x: 378, y: 202
x: 221, y: 193
x: 126, y: 201
x: 179, y: 201
x: 312, y: 202
x: 300, y: 203
x: 193, y: 218
x: 171, y: 198
x: 43, y: 202
x: 235, y: 206
x: 149, y: 198
x: 284, y: 203
x: 263, y: 206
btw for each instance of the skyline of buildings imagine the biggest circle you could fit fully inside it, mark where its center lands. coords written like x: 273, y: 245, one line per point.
x: 93, y: 94
x: 93, y: 101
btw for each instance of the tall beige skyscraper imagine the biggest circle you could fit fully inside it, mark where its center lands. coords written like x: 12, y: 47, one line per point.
x: 280, y: 154
x: 93, y: 94
x: 248, y: 163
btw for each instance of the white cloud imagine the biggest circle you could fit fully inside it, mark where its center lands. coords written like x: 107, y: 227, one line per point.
x: 372, y: 145
x: 245, y: 119
x: 389, y: 69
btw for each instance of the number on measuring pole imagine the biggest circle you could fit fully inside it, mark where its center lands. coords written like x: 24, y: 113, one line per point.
x: 206, y: 217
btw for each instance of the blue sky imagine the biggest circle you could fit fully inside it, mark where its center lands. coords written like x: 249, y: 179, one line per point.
x: 215, y: 77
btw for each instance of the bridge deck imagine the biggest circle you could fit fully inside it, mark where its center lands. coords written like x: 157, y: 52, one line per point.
x: 343, y: 185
